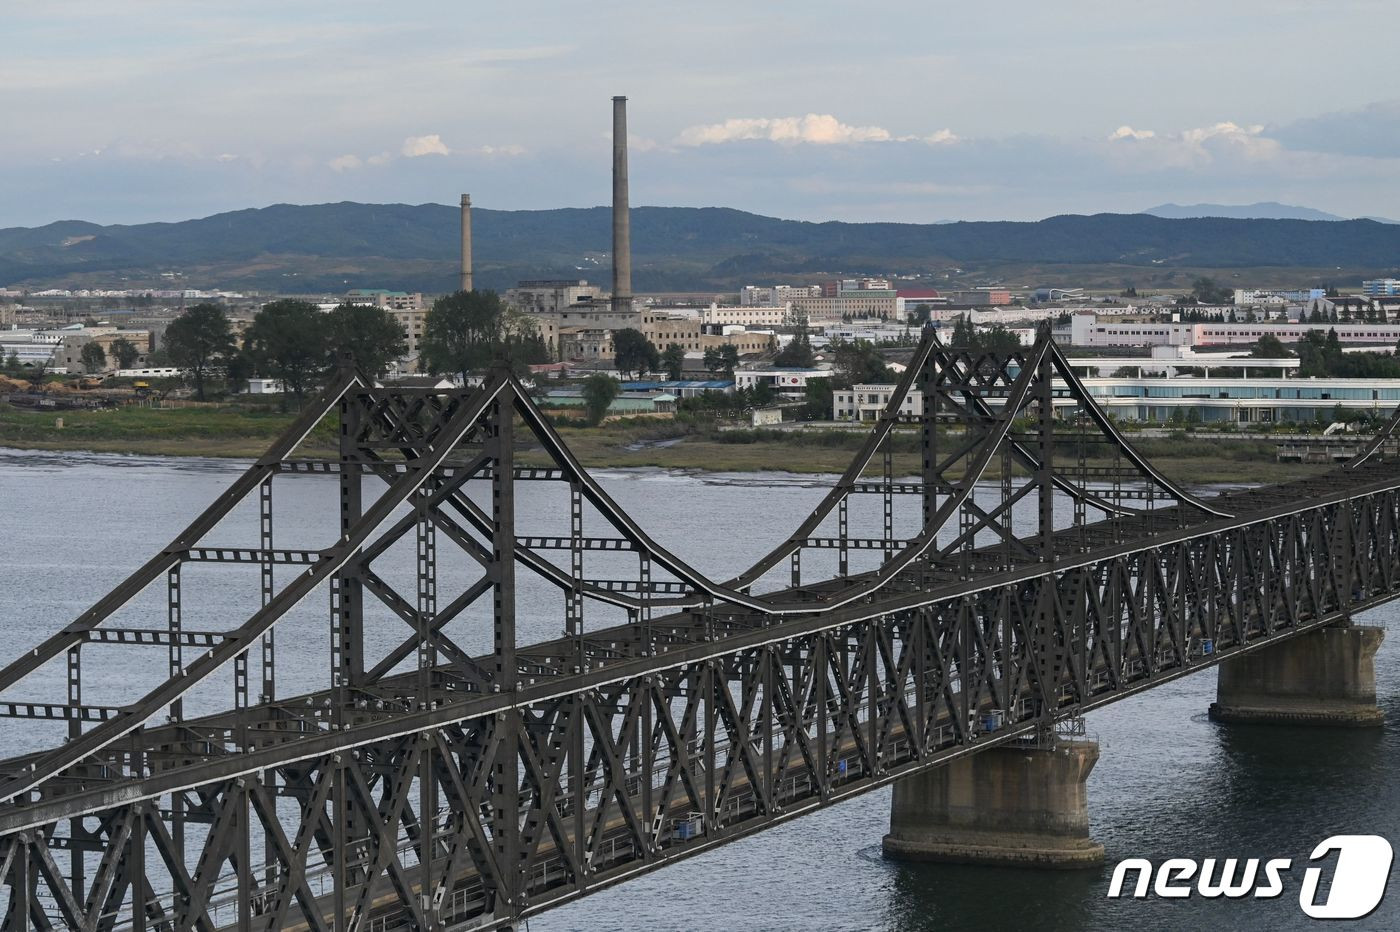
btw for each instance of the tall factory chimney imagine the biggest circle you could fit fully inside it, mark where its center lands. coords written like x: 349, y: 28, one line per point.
x: 466, y: 283
x: 622, y: 225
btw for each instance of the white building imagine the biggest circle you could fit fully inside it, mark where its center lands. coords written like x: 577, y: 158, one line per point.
x: 1381, y: 287
x: 389, y: 300
x: 865, y: 402
x: 1254, y: 297
x: 783, y: 380
x: 1089, y: 330
x: 747, y: 315
x: 1182, y: 399
x: 1171, y: 360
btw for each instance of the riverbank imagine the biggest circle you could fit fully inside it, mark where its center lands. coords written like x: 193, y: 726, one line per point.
x: 241, y: 433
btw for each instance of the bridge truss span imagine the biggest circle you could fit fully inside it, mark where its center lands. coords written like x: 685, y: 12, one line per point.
x: 1036, y: 567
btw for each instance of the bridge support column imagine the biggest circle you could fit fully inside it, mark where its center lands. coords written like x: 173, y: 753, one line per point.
x: 1015, y: 806
x: 1324, y: 677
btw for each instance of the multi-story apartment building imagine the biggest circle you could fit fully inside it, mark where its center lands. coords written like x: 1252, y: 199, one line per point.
x: 412, y: 321
x: 1381, y: 287
x: 747, y: 316
x: 389, y: 300
x: 770, y: 295
x: 865, y: 302
x: 1254, y: 297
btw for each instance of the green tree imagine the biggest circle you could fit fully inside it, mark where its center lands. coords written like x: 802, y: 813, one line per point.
x: 964, y: 333
x: 634, y: 353
x: 798, y: 352
x: 729, y: 357
x: 93, y: 356
x: 369, y: 334
x: 1269, y: 347
x: 673, y: 361
x: 859, y: 362
x: 238, y: 369
x: 722, y: 359
x: 289, y: 341
x: 1206, y: 291
x: 199, y: 341
x: 711, y: 359
x: 599, y: 390
x: 817, y: 400
x: 920, y: 314
x: 12, y: 364
x: 998, y: 340
x: 126, y: 352
x: 468, y: 331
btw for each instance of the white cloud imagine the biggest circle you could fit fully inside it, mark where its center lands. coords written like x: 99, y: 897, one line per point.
x: 1127, y: 132
x: 415, y: 146
x: 1199, y: 147
x: 942, y: 137
x: 815, y: 128
x: 510, y: 150
x: 345, y: 163
x: 383, y: 158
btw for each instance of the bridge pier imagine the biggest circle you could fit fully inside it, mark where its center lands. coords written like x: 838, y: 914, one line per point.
x: 1014, y: 806
x: 1324, y: 677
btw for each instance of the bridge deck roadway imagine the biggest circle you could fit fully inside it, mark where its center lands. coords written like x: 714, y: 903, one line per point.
x: 214, y: 747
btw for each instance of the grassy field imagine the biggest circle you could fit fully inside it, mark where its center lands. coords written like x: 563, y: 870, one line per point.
x: 203, y: 431
x: 247, y: 432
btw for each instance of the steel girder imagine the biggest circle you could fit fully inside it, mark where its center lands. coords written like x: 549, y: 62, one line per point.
x: 433, y: 788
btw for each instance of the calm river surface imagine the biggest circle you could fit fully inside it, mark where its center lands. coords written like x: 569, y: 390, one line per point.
x: 1169, y: 783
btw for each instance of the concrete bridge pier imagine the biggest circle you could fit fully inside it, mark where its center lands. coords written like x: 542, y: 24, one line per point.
x: 1014, y: 805
x: 1324, y: 677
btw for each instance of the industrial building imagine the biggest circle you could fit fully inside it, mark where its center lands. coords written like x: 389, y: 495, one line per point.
x: 548, y: 296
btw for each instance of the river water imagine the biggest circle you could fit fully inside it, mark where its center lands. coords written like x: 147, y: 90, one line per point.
x: 1169, y: 783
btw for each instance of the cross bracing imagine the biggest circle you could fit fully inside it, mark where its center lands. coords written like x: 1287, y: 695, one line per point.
x: 1035, y: 568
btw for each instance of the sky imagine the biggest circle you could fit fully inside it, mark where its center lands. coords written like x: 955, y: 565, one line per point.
x: 912, y: 112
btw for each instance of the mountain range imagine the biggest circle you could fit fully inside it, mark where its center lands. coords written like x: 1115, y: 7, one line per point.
x: 1263, y: 210
x: 330, y: 247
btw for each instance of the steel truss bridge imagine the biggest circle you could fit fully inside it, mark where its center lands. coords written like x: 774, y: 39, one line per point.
x: 414, y: 784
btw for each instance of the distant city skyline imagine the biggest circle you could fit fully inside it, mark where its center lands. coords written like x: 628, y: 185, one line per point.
x: 159, y: 110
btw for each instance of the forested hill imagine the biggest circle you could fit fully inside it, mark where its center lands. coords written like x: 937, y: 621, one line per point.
x: 333, y: 246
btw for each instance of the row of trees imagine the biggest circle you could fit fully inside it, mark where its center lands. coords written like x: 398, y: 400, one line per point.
x: 1371, y: 314
x: 635, y: 355
x: 295, y: 343
x: 291, y: 341
x: 468, y: 331
x: 994, y: 339
x: 1322, y: 356
x: 94, y: 357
